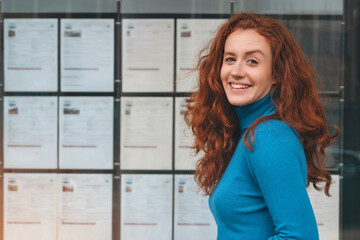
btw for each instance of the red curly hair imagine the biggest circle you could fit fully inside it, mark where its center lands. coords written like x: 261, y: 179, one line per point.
x: 213, y: 119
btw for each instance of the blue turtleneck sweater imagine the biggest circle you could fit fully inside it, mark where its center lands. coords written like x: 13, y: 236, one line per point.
x: 262, y: 193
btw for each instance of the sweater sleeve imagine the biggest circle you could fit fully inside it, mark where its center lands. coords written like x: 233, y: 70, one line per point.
x: 278, y: 165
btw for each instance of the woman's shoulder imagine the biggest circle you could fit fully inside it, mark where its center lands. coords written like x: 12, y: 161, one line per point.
x: 275, y: 128
x: 276, y: 132
x: 277, y: 139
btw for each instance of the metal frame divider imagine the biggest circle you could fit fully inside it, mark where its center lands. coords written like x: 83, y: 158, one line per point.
x: 1, y: 121
x: 342, y: 97
x: 117, y: 110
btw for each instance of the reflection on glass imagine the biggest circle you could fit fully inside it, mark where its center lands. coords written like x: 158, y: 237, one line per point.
x: 321, y: 41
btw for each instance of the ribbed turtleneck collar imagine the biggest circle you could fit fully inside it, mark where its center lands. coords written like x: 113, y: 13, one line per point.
x: 249, y: 113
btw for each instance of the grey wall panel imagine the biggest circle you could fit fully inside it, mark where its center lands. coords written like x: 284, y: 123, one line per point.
x: 55, y: 6
x: 128, y: 6
x: 292, y: 6
x: 177, y: 6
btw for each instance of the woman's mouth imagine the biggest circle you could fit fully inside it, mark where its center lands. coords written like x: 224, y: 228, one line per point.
x: 239, y: 86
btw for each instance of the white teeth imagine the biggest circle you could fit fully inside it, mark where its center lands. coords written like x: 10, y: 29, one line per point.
x: 240, y: 86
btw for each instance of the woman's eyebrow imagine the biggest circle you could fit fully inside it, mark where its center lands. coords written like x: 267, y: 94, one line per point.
x: 254, y: 51
x: 229, y: 53
x: 247, y: 52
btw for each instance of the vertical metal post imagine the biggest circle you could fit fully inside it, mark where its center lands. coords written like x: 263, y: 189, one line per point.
x: 232, y: 3
x: 342, y: 112
x: 118, y: 10
x: 1, y: 18
x: 1, y: 121
x: 118, y: 32
x: 1, y: 48
x: 117, y: 109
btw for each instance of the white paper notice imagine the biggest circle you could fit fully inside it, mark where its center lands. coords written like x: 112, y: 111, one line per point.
x: 85, y: 207
x: 30, y: 55
x: 191, y: 37
x: 146, y: 207
x: 193, y: 219
x: 87, y: 55
x: 86, y: 132
x: 30, y: 206
x: 30, y: 132
x: 184, y: 156
x: 327, y: 210
x: 148, y: 55
x: 146, y: 133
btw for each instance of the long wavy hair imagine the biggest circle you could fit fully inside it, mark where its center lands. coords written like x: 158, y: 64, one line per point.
x: 213, y: 119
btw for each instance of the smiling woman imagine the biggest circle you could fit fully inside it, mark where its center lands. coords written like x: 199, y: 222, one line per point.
x: 246, y: 69
x: 258, y: 119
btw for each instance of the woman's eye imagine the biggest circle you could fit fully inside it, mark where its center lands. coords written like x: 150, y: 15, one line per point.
x: 230, y: 59
x: 252, y: 61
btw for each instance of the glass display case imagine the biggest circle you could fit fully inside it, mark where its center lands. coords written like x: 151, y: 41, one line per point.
x: 94, y: 143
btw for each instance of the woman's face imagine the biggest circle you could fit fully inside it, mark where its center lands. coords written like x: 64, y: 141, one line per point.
x: 246, y: 69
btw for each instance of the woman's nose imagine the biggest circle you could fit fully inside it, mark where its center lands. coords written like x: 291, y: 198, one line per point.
x: 238, y: 70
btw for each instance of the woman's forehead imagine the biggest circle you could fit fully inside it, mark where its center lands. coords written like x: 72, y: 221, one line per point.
x: 247, y: 41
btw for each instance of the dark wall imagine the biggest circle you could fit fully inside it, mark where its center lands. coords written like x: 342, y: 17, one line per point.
x: 351, y: 183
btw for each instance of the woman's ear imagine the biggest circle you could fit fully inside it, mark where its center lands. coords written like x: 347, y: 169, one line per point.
x: 274, y: 81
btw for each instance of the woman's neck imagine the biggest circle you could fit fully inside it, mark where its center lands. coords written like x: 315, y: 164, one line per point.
x: 249, y: 113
